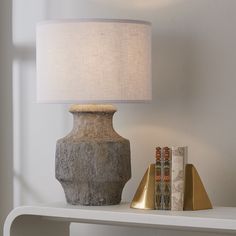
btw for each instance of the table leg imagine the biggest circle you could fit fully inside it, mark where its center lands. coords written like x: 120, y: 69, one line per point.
x: 27, y: 225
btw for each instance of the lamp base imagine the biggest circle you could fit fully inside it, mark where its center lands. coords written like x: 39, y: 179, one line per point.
x: 93, y: 161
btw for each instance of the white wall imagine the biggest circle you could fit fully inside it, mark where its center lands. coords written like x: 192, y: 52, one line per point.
x: 194, y: 68
x: 6, y: 176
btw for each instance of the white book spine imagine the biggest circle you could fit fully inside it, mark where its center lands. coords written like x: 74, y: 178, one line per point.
x: 179, y: 159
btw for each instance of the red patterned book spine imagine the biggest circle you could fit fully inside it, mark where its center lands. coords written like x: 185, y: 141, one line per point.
x: 166, y: 186
x: 158, y: 184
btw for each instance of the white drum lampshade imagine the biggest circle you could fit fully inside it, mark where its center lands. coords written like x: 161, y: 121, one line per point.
x: 93, y: 61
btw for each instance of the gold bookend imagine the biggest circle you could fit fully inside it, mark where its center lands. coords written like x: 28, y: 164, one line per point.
x: 195, y: 195
x: 144, y: 197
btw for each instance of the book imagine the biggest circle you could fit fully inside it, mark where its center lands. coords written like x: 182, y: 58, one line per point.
x: 179, y: 159
x: 166, y: 179
x: 158, y: 184
x: 162, y: 179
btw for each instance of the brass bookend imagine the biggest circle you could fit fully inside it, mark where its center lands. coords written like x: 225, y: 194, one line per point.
x: 144, y: 197
x: 195, y: 195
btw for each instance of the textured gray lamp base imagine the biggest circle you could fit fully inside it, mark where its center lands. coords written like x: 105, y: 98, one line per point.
x: 93, y: 161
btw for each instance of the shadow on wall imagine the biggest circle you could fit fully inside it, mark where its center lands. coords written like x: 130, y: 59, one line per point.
x: 25, y: 52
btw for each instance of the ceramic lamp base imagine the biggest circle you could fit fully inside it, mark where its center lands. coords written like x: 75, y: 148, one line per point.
x: 93, y: 161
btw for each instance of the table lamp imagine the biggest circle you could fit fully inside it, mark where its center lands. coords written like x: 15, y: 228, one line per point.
x: 92, y: 63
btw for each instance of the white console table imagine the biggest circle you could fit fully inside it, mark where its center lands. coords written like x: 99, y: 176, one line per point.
x: 55, y: 219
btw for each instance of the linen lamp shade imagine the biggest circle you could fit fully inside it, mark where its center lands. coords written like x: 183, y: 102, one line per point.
x: 93, y: 61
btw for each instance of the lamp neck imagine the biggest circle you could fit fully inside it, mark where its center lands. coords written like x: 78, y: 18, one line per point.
x: 93, y: 121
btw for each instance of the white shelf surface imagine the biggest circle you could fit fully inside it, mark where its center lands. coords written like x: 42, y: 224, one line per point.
x: 219, y: 219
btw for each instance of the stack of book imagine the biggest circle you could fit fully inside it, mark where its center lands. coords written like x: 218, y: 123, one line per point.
x: 169, y: 178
